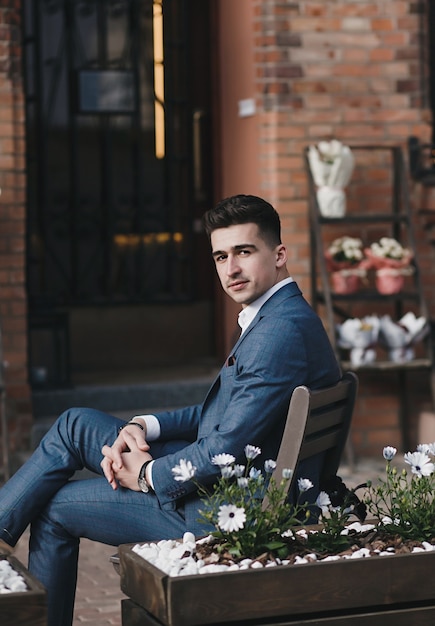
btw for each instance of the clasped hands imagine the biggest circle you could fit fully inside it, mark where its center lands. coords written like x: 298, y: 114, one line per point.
x: 123, y: 460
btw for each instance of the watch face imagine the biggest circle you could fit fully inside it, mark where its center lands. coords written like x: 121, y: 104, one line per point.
x: 143, y: 485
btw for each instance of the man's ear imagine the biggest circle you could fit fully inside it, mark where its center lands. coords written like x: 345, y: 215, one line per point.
x: 281, y: 255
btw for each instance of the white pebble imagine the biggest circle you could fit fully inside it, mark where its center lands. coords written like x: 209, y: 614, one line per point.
x: 299, y: 560
x: 188, y: 538
x: 10, y: 580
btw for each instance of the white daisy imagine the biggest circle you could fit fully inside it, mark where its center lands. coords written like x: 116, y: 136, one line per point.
x: 323, y: 501
x: 389, y: 452
x: 304, y: 484
x: 223, y: 459
x: 269, y: 466
x: 231, y: 518
x: 184, y: 471
x: 287, y: 473
x: 227, y: 472
x: 238, y: 470
x: 255, y: 474
x: 420, y: 463
x: 251, y: 452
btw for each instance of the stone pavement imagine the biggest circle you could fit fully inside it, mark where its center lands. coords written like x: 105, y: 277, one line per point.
x: 98, y: 599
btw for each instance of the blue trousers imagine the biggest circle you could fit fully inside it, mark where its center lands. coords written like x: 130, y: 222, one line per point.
x: 60, y: 511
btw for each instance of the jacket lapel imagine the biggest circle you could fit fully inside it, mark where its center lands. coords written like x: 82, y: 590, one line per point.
x: 285, y: 292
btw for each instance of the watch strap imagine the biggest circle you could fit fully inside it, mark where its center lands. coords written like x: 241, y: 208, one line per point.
x: 130, y: 423
x: 142, y: 481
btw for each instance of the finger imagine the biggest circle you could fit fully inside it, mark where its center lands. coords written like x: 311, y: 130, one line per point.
x: 135, y: 441
x: 106, y: 466
x: 114, y: 454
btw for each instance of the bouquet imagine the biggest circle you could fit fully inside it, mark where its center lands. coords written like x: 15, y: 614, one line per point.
x: 359, y: 336
x: 399, y: 337
x: 331, y: 164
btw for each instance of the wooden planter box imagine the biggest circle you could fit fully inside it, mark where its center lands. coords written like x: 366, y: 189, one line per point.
x: 395, y: 590
x: 24, y: 608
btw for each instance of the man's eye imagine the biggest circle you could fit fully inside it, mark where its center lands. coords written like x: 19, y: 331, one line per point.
x: 220, y: 258
x: 244, y: 252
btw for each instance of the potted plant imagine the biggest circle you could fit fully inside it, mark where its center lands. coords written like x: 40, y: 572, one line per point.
x: 392, y: 263
x: 263, y: 564
x: 345, y: 259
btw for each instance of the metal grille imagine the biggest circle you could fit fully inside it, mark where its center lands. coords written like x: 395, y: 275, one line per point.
x: 108, y: 151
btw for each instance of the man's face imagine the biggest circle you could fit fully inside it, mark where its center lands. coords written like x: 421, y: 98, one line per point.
x: 247, y: 267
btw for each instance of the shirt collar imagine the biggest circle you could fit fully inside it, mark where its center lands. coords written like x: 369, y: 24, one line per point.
x: 247, y: 314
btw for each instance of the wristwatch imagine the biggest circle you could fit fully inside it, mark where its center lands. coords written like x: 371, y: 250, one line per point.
x: 130, y: 423
x: 142, y: 481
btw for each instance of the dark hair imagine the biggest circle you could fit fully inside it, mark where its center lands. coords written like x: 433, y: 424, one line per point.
x: 243, y: 209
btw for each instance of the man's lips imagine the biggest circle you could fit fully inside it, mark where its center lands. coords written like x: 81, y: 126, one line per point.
x: 237, y: 285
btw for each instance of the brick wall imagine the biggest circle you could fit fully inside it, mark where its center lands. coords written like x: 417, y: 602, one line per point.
x: 13, y: 307
x: 337, y: 68
x: 353, y: 71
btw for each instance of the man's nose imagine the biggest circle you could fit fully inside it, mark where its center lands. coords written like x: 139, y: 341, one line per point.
x: 232, y: 265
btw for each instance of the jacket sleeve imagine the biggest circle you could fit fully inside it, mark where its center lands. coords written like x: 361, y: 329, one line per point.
x: 249, y: 400
x: 242, y: 408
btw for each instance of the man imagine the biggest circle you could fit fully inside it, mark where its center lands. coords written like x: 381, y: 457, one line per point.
x: 283, y: 344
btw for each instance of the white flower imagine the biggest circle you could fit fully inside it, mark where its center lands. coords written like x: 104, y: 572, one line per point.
x: 255, y: 473
x: 238, y: 470
x: 389, y: 452
x: 242, y: 482
x: 231, y: 518
x: 287, y: 473
x: 427, y: 448
x: 304, y: 484
x: 420, y: 463
x: 323, y: 501
x: 346, y: 249
x: 269, y: 466
x: 330, y: 150
x: 223, y: 459
x: 252, y: 452
x: 424, y: 447
x: 227, y: 472
x: 184, y: 471
x: 388, y: 248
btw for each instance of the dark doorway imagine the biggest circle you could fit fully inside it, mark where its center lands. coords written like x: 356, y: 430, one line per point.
x: 118, y: 144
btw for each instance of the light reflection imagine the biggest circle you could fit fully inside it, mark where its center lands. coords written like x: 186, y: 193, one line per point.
x: 132, y: 240
x: 159, y: 79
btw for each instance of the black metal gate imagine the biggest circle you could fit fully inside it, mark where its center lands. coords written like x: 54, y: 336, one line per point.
x: 110, y: 134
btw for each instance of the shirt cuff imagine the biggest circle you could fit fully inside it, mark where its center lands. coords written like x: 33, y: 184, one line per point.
x: 149, y: 474
x: 152, y: 426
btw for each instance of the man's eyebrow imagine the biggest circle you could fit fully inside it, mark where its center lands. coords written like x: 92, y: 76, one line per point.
x: 240, y: 246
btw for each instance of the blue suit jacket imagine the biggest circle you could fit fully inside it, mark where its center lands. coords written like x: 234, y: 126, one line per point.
x: 285, y: 346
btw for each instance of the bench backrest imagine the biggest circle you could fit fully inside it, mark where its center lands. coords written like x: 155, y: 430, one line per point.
x: 318, y: 423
